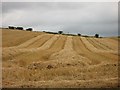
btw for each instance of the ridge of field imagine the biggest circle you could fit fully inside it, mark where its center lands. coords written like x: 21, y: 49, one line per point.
x: 57, y: 61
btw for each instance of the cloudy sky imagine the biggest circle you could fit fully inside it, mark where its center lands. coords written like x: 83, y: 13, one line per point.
x: 86, y: 18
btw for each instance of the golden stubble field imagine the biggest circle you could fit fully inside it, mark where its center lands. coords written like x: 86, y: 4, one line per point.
x: 36, y: 59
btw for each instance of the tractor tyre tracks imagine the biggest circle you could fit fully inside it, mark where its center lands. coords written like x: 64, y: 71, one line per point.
x: 68, y: 57
x: 110, y: 54
x: 10, y: 52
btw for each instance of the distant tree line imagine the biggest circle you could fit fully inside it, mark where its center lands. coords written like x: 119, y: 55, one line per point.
x: 19, y: 28
x: 96, y: 35
x: 59, y: 32
x: 50, y: 32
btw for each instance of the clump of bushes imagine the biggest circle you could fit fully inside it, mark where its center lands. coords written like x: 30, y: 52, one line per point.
x: 60, y: 32
x: 11, y: 27
x: 79, y: 34
x: 97, y: 35
x: 29, y: 29
x: 19, y: 28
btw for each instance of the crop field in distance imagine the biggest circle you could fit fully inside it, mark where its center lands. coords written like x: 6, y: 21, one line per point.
x: 40, y: 60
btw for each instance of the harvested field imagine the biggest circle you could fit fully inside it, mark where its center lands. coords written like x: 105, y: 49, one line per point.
x: 40, y: 60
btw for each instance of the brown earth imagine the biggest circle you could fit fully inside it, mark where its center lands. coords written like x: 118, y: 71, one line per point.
x: 36, y: 59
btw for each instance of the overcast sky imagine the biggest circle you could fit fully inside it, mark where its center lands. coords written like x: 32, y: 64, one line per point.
x: 86, y: 18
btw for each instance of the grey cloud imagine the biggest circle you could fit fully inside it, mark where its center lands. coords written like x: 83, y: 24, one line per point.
x: 86, y: 18
x: 11, y: 6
